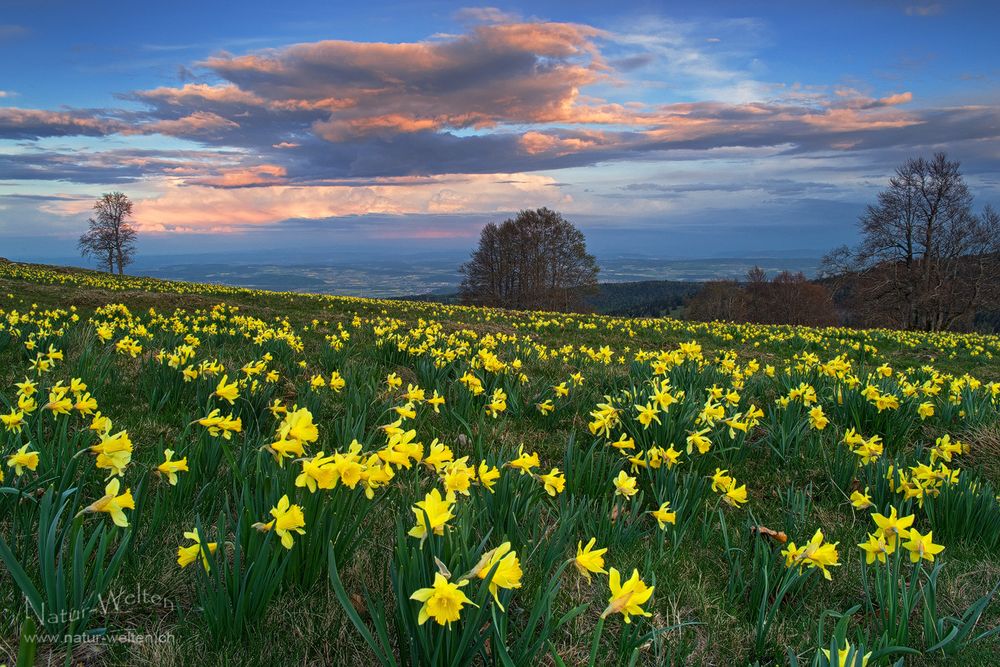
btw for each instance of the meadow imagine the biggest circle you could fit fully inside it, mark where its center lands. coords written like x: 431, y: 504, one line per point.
x: 200, y: 474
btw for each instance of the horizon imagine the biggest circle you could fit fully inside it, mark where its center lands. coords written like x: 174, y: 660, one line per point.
x: 396, y: 129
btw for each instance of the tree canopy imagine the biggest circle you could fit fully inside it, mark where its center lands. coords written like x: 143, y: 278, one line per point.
x: 535, y: 260
x: 926, y: 260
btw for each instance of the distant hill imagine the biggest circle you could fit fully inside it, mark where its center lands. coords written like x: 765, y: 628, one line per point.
x: 645, y: 298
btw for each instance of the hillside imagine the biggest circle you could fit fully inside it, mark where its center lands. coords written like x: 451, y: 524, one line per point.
x: 354, y: 468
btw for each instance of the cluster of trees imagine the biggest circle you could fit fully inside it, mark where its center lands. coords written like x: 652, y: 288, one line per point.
x: 926, y: 260
x: 646, y: 298
x: 788, y: 298
x: 536, y: 260
x: 111, y: 234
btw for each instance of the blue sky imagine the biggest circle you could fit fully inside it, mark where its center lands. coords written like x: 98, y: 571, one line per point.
x: 677, y: 129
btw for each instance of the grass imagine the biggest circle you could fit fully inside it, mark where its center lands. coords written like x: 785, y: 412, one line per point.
x: 308, y: 625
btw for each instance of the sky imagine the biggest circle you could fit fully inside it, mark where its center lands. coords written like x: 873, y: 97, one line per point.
x: 336, y: 129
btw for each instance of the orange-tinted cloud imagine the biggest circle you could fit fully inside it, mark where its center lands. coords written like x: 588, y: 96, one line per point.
x: 17, y: 123
x: 236, y: 177
x: 197, y: 124
x: 507, y: 95
x: 212, y: 209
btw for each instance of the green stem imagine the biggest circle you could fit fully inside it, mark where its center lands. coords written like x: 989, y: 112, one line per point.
x: 596, y: 642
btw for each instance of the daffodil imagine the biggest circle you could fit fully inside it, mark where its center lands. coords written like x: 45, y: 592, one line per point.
x: 432, y: 513
x: 507, y: 574
x: 22, y: 459
x: 893, y: 527
x: 113, y: 504
x: 114, y: 453
x: 588, y: 559
x: 14, y: 421
x: 815, y: 553
x: 861, y: 501
x: 818, y: 420
x: 170, y: 467
x: 288, y: 519
x: 524, y: 461
x: 487, y: 475
x: 647, y: 414
x: 720, y: 480
x: 319, y: 472
x: 663, y: 515
x: 187, y: 555
x: 700, y: 440
x: 443, y: 601
x: 554, y: 482
x: 876, y: 547
x: 845, y: 652
x: 625, y: 486
x: 922, y: 546
x: 627, y: 598
x: 735, y: 495
x: 227, y: 391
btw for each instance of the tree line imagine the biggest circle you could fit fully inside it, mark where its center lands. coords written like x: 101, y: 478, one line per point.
x: 787, y: 298
x: 926, y: 260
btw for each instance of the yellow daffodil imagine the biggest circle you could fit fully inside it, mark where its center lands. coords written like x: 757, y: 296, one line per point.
x: 588, y: 559
x: 443, y: 601
x: 627, y: 598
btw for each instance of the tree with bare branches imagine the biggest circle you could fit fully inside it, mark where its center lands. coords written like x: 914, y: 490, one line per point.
x: 536, y: 260
x: 926, y: 260
x: 787, y: 298
x: 96, y: 242
x: 111, y: 234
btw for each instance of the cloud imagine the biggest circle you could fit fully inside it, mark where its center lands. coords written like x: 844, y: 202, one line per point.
x: 486, y: 15
x: 466, y: 122
x: 494, y: 74
x: 9, y: 31
x: 206, y: 208
x: 256, y: 176
x: 16, y: 123
x: 924, y: 9
x: 200, y: 124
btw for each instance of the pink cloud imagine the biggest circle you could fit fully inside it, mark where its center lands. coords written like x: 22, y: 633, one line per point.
x: 496, y: 73
x: 29, y: 123
x: 263, y: 174
x: 200, y: 207
x: 197, y: 124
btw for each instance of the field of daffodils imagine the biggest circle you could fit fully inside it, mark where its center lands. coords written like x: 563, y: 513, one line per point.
x: 197, y: 474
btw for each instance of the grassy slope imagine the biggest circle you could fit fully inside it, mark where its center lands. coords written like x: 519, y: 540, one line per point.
x: 310, y: 628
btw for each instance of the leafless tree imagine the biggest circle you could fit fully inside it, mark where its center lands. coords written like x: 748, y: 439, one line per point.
x: 97, y: 242
x: 788, y: 298
x: 536, y: 260
x: 926, y: 260
x: 111, y: 235
x: 718, y: 300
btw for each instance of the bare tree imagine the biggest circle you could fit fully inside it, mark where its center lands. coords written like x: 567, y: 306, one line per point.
x: 926, y: 260
x: 98, y: 243
x: 535, y: 260
x: 788, y: 298
x: 718, y: 300
x: 111, y: 235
